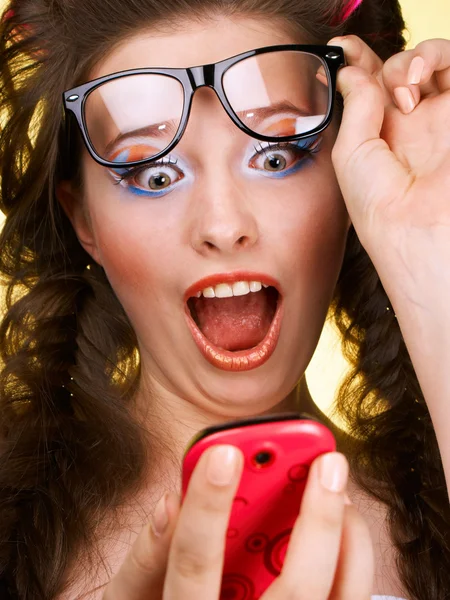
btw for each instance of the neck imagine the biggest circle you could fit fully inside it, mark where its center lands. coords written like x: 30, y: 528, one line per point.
x: 173, y: 421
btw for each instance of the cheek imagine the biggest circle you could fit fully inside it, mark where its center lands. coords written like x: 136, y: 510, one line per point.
x: 312, y: 244
x: 323, y: 226
x: 309, y: 242
x: 319, y: 255
x: 134, y: 244
x: 311, y: 226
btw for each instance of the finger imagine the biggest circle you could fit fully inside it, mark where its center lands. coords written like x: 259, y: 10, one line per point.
x: 424, y: 70
x: 145, y: 565
x: 355, y: 571
x: 197, y: 551
x: 363, y: 103
x: 359, y: 148
x: 419, y: 73
x: 312, y: 556
x: 359, y: 54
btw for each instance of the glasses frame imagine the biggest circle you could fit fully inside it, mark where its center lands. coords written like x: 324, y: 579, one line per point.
x: 210, y: 75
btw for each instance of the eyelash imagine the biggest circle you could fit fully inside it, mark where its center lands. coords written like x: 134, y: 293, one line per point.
x: 130, y: 172
x: 310, y: 148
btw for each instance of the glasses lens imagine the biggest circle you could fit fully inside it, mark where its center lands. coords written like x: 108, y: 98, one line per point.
x: 134, y: 117
x: 278, y: 94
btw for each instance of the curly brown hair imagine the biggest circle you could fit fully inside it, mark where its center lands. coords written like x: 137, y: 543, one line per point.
x: 70, y: 450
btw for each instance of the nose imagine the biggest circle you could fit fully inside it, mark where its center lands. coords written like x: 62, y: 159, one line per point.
x: 223, y: 223
x: 222, y: 216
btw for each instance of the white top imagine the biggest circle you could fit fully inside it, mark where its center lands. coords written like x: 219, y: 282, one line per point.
x: 386, y: 598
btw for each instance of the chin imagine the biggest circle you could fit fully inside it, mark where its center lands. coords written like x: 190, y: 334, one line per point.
x: 246, y: 393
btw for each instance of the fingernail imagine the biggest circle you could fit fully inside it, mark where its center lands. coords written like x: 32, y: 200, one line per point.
x: 221, y: 466
x: 404, y: 99
x: 333, y: 472
x: 416, y: 70
x: 160, y: 517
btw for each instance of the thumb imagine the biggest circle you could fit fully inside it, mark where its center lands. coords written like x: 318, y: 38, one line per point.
x: 142, y: 574
x: 367, y: 171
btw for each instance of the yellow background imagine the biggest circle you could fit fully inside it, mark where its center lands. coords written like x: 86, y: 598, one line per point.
x: 425, y: 19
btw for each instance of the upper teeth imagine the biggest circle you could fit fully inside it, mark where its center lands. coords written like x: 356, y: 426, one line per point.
x: 227, y: 290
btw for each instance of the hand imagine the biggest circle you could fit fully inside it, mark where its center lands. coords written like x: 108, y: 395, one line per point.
x: 392, y: 159
x: 329, y: 555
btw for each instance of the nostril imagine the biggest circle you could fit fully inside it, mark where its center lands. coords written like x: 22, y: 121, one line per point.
x: 243, y: 241
x: 222, y: 240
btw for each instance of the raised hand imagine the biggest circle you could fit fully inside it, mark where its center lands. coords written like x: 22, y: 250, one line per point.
x: 392, y: 160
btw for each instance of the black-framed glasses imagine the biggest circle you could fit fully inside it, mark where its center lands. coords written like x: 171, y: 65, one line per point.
x: 273, y: 94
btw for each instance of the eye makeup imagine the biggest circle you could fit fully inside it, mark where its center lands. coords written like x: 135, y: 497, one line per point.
x: 168, y: 174
x: 134, y: 152
x: 164, y: 173
x: 300, y: 152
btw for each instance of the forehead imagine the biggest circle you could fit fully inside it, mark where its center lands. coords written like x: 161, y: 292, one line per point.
x: 193, y: 44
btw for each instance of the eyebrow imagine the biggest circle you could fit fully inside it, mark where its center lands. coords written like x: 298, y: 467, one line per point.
x: 158, y: 130
x: 260, y: 114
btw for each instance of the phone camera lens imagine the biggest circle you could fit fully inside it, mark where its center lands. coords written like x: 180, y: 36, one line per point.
x: 263, y: 458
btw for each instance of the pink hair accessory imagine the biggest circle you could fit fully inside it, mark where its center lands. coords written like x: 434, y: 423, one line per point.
x: 347, y: 11
x: 350, y: 9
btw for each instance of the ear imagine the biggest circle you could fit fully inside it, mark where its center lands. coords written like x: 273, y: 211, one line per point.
x: 72, y: 204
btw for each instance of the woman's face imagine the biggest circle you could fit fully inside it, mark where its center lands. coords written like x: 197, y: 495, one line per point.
x: 221, y: 210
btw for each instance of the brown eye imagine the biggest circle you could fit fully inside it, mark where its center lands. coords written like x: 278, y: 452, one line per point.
x: 157, y: 178
x: 160, y: 181
x: 277, y: 158
x: 276, y: 162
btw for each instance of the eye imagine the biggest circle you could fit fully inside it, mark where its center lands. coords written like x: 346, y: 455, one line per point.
x: 156, y: 178
x: 151, y: 178
x: 276, y: 162
x: 283, y: 157
x: 155, y: 181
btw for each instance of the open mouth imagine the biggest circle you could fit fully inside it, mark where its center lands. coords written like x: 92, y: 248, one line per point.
x: 236, y: 325
x: 237, y: 322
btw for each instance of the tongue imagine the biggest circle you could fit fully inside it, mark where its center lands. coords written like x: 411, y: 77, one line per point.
x: 235, y: 323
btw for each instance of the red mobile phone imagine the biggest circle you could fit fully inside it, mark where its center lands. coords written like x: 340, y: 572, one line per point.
x: 278, y: 451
